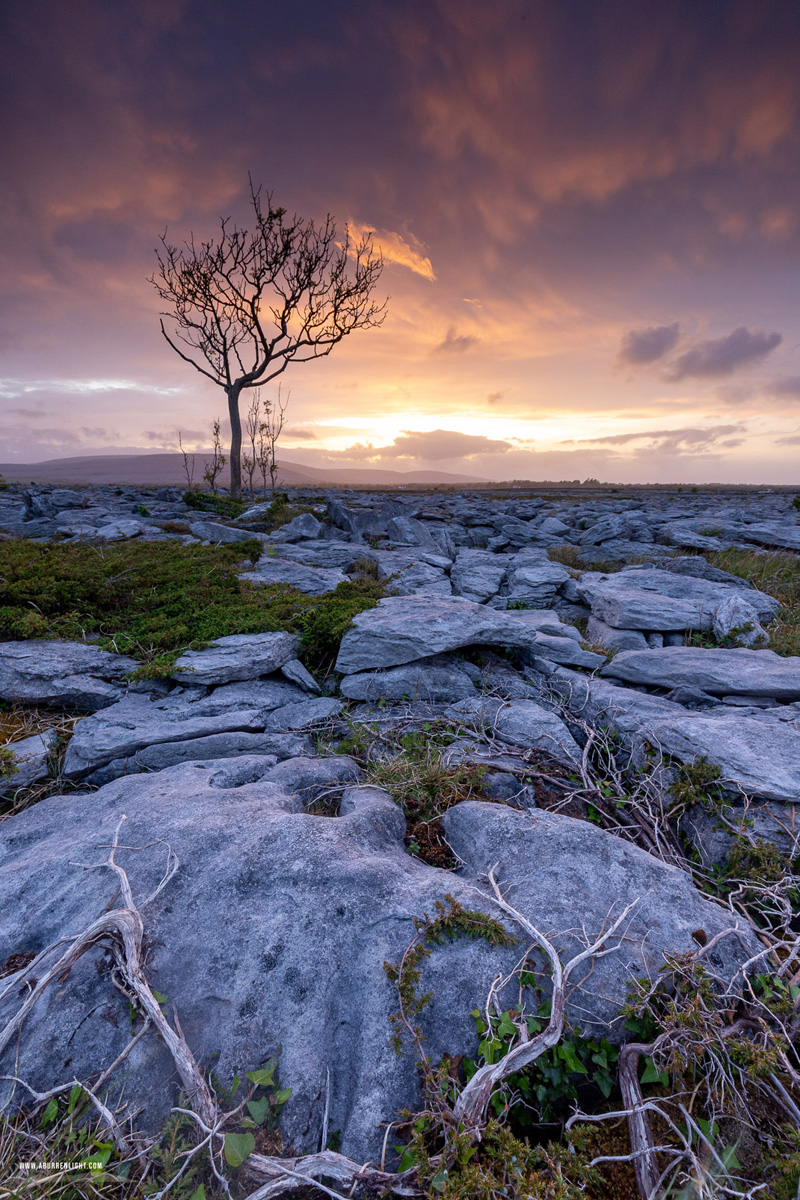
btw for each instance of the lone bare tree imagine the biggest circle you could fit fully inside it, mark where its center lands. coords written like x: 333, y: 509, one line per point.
x: 246, y: 304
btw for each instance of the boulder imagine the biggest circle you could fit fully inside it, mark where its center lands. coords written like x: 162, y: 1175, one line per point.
x: 419, y: 579
x: 304, y: 714
x: 565, y: 650
x: 478, y: 574
x: 241, y: 656
x: 736, y: 618
x: 533, y: 579
x: 295, y: 672
x: 401, y: 630
x: 614, y: 639
x: 736, y: 672
x: 271, y: 936
x: 304, y: 526
x: 64, y: 674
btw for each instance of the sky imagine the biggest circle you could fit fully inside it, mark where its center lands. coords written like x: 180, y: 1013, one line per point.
x: 587, y: 209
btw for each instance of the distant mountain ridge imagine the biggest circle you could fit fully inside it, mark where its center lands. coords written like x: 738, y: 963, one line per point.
x: 161, y: 469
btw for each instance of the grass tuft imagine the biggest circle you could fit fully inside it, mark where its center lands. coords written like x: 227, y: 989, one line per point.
x: 778, y: 574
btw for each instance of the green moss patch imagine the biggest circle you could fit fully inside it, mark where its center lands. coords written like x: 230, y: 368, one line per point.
x: 153, y: 600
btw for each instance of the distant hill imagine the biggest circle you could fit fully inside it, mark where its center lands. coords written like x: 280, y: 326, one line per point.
x: 163, y: 469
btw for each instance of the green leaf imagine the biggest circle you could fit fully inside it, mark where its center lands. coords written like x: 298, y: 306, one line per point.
x: 605, y: 1083
x: 74, y: 1096
x: 280, y: 1097
x: 438, y: 1181
x: 730, y: 1160
x: 238, y: 1147
x: 101, y: 1155
x: 567, y: 1053
x: 235, y: 1082
x: 200, y: 1194
x: 49, y: 1113
x: 263, y: 1077
x: 258, y: 1110
x: 652, y: 1074
x: 506, y: 1028
x: 160, y: 997
x: 408, y: 1158
x: 248, y: 1124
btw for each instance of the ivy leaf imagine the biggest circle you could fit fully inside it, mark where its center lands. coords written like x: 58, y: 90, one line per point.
x: 438, y: 1181
x: 102, y: 1154
x: 258, y: 1110
x: 652, y: 1074
x: 408, y: 1158
x: 200, y: 1194
x: 238, y: 1147
x: 280, y: 1097
x: 574, y: 1065
x: 263, y: 1077
x: 49, y: 1113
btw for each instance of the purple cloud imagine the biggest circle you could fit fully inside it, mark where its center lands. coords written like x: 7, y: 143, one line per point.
x: 641, y: 346
x: 721, y: 356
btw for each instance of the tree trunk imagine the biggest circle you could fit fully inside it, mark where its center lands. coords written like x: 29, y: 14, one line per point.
x: 236, y: 440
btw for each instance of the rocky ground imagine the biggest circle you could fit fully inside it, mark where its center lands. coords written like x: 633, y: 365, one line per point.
x: 608, y: 696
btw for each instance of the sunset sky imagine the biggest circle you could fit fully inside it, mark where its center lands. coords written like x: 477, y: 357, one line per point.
x: 589, y: 212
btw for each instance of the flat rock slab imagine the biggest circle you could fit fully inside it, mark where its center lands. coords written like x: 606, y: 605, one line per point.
x: 65, y: 674
x: 314, y: 581
x: 429, y: 679
x: 570, y: 877
x: 305, y: 713
x: 275, y: 746
x: 662, y: 600
x: 736, y: 672
x: 241, y: 656
x: 212, y: 531
x: 402, y: 630
x: 272, y: 935
x: 138, y: 721
x: 758, y: 752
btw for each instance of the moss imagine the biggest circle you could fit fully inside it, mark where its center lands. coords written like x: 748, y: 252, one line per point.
x: 153, y: 600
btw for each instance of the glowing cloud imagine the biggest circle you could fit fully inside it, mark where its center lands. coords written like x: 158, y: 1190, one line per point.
x: 403, y: 251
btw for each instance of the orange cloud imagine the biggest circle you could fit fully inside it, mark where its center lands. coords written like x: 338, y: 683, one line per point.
x: 405, y: 251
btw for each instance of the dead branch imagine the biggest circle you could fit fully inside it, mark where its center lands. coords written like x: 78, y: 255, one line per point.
x: 470, y: 1107
x: 123, y: 931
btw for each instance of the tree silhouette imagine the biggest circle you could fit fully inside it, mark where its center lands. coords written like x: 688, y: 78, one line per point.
x: 247, y: 304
